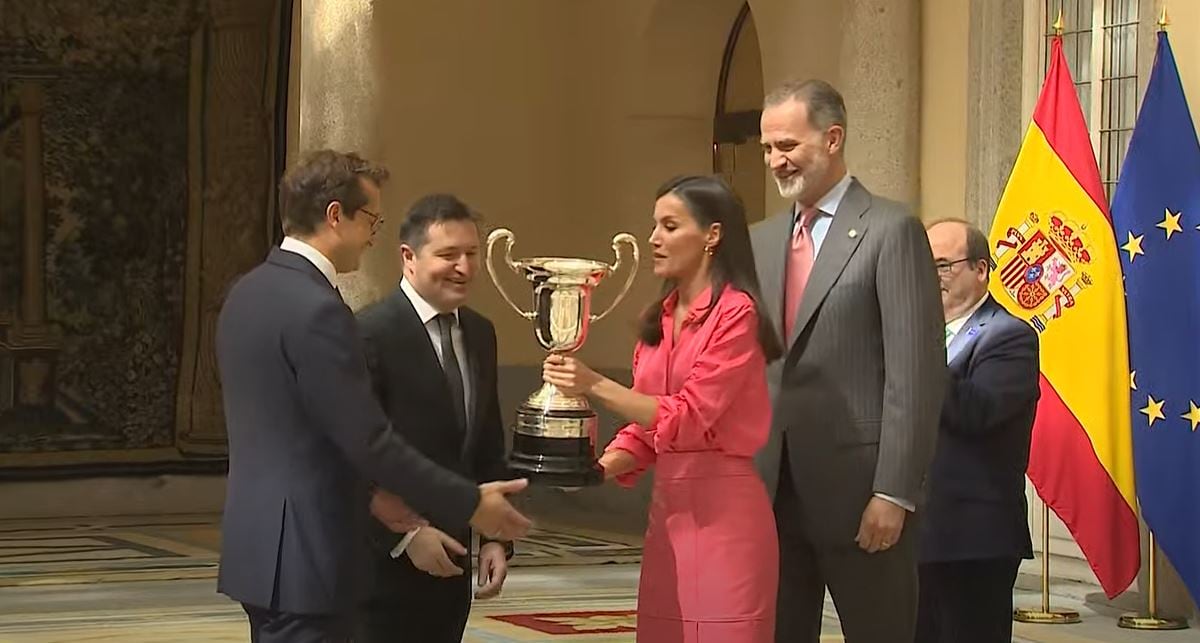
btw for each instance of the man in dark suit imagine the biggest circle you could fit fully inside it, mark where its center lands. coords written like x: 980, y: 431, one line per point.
x: 975, y: 531
x: 433, y: 365
x: 309, y: 447
x: 847, y: 276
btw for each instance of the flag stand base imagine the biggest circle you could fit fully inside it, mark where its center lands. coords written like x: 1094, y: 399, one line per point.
x: 1046, y: 617
x: 1151, y: 620
x: 1139, y: 622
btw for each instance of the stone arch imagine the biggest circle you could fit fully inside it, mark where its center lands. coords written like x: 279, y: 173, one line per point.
x: 676, y: 69
x: 681, y: 44
x: 736, y: 153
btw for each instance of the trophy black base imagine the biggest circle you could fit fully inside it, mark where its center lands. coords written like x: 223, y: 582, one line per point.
x: 555, y: 462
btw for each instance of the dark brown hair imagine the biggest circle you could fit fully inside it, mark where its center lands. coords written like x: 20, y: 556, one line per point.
x: 319, y: 179
x: 709, y: 200
x: 431, y: 209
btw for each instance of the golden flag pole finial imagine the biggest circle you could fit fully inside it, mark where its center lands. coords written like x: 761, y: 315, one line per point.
x: 1163, y: 20
x: 1058, y: 23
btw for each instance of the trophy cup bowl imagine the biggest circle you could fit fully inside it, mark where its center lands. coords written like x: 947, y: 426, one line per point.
x: 554, y: 439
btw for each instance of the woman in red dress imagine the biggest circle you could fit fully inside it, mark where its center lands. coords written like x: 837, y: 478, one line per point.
x: 698, y: 412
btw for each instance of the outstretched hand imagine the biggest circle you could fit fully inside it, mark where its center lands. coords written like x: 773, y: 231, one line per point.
x: 494, y: 517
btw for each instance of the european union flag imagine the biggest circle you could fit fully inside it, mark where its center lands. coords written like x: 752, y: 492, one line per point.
x: 1156, y: 215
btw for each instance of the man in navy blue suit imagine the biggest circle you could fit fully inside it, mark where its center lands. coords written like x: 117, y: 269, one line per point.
x: 310, y: 449
x: 975, y: 530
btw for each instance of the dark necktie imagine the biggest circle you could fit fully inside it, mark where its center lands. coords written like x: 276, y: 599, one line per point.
x: 458, y: 396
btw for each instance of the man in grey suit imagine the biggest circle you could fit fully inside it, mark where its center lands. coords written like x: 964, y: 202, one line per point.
x: 849, y: 279
x: 310, y: 449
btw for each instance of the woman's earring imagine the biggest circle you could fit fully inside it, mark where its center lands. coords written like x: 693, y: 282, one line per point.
x: 708, y: 250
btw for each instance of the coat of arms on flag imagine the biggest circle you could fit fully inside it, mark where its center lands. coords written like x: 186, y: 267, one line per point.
x: 1043, y: 265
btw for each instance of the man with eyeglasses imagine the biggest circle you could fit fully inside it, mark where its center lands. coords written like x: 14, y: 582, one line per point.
x: 310, y: 448
x: 975, y: 531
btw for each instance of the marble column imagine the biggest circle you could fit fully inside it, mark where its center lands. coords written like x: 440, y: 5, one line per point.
x: 995, y: 71
x: 339, y: 105
x: 879, y: 75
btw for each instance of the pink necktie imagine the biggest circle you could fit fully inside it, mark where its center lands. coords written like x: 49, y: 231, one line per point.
x: 799, y: 265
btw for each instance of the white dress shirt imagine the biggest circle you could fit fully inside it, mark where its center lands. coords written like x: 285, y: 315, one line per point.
x: 826, y: 208
x: 314, y: 256
x: 955, y: 325
x: 428, y: 316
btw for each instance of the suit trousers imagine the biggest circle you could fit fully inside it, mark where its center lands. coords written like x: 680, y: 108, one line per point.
x: 967, y: 600
x: 271, y: 626
x: 426, y: 609
x: 875, y: 594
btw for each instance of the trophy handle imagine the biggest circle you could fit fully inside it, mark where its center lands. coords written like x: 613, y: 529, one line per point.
x: 627, y: 238
x: 515, y: 266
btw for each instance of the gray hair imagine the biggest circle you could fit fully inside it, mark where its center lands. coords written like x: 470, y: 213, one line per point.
x: 825, y: 104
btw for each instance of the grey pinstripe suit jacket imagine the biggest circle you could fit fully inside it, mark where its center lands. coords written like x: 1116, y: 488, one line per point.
x: 859, y: 390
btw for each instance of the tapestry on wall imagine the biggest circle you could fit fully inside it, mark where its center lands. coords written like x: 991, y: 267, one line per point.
x: 118, y: 230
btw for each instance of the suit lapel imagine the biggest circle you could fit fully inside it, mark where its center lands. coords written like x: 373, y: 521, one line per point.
x: 778, y: 230
x: 414, y: 334
x: 970, y: 331
x: 836, y: 249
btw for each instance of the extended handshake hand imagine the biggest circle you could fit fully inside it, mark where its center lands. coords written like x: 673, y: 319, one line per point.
x: 494, y: 517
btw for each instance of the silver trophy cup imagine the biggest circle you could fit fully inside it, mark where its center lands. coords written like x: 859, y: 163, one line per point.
x: 554, y: 440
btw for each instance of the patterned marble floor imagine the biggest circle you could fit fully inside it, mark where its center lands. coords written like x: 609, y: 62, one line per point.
x: 135, y: 580
x: 89, y: 550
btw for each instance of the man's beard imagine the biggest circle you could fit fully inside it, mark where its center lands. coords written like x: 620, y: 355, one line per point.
x: 792, y: 187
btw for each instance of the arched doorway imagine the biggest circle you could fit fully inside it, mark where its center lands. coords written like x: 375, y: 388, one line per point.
x: 736, y: 151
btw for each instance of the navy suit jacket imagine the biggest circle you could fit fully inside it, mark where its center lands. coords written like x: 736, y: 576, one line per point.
x: 306, y: 436
x: 976, y: 507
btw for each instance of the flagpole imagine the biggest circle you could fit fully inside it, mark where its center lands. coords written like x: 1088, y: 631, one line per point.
x: 1045, y: 616
x: 1151, y: 620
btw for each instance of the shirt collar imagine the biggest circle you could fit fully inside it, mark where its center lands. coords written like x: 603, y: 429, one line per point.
x: 314, y: 256
x: 425, y: 310
x: 956, y: 324
x: 829, y: 203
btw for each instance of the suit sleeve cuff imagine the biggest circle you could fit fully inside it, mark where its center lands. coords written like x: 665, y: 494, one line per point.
x: 399, y: 549
x: 899, y: 502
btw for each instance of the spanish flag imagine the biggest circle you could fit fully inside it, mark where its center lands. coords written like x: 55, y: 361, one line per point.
x: 1057, y: 266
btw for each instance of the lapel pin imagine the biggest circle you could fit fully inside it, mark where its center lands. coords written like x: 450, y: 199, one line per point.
x: 853, y: 233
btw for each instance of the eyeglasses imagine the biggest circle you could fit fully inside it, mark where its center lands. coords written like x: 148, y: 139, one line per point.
x: 944, y: 267
x: 376, y: 217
